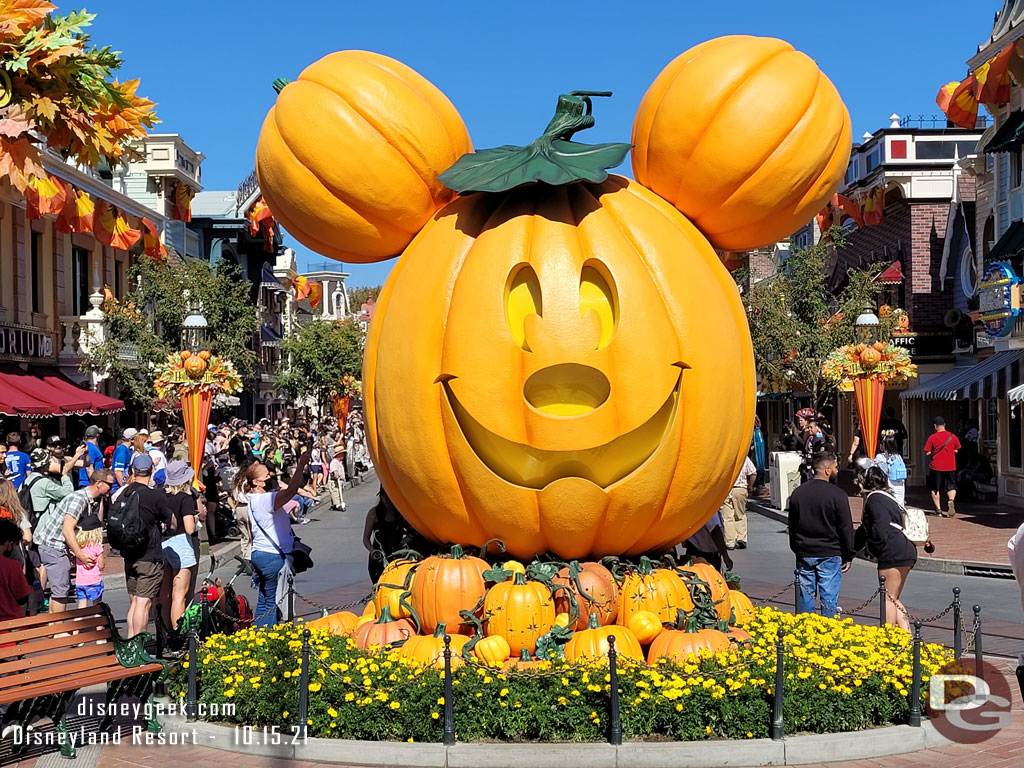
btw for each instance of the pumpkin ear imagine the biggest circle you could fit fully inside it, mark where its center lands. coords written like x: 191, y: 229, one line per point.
x: 349, y: 155
x: 745, y: 136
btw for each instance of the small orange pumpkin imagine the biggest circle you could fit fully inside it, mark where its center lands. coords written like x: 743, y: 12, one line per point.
x: 880, y: 346
x: 442, y: 586
x: 394, y: 580
x: 520, y: 611
x: 384, y: 631
x: 592, y: 587
x: 195, y: 366
x: 870, y: 357
x: 493, y: 650
x: 742, y: 608
x: 205, y: 354
x: 341, y: 623
x: 646, y: 626
x: 677, y: 644
x: 658, y: 590
x: 184, y: 355
x: 428, y: 650
x: 592, y: 643
x: 719, y: 590
x: 744, y: 183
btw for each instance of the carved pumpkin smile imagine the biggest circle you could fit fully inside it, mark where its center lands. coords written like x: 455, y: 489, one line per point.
x: 530, y: 467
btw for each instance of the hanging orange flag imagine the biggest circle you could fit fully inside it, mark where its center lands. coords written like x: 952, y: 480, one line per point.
x: 302, y: 287
x: 112, y: 228
x: 43, y: 195
x: 260, y: 218
x: 992, y: 79
x: 874, y: 207
x: 847, y: 206
x: 316, y: 292
x: 958, y: 102
x: 77, y: 213
x: 181, y: 207
x: 151, y: 244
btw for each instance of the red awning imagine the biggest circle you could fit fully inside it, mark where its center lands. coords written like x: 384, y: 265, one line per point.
x: 893, y: 275
x: 98, y: 403
x: 47, y: 393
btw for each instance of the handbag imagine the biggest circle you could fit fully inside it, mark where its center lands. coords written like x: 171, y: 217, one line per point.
x: 301, y: 554
x: 915, y: 522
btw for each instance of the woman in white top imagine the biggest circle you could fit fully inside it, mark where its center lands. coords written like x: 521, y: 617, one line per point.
x: 891, y: 462
x: 272, y: 537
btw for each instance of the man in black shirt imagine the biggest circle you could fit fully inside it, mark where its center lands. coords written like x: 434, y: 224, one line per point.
x: 821, y: 536
x: 144, y: 568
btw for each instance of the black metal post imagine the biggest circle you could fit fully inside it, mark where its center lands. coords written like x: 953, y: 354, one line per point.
x: 615, y: 727
x: 192, y: 695
x: 958, y: 625
x: 204, y: 613
x: 304, y: 685
x: 914, y: 718
x: 979, y: 671
x: 796, y: 591
x: 883, y: 598
x: 291, y: 599
x: 449, y: 712
x: 778, y: 726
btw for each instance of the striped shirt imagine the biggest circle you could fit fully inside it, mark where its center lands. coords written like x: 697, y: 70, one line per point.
x: 50, y: 529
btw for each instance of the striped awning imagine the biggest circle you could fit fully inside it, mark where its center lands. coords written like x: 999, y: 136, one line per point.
x: 991, y: 377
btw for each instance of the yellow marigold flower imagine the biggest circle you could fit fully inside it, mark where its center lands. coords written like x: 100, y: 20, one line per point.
x: 504, y: 692
x: 349, y: 696
x: 314, y: 687
x: 229, y: 693
x: 394, y: 705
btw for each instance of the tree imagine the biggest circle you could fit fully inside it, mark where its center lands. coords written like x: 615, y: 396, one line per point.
x: 360, y: 295
x: 796, y: 322
x: 316, y: 357
x: 142, y: 329
x: 55, y: 85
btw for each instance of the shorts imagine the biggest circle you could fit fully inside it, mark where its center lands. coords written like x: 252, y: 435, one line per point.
x: 179, y: 553
x: 940, y: 481
x: 91, y: 592
x: 316, y: 469
x: 58, y: 571
x: 143, y: 578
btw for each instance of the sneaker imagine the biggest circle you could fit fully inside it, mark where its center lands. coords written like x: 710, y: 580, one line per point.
x: 952, y: 509
x: 741, y: 545
x: 303, y: 521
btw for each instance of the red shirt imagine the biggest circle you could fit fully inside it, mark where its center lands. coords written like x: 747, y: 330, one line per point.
x: 13, y: 588
x: 943, y: 458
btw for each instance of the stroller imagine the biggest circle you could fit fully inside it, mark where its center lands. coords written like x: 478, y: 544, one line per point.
x: 227, y: 611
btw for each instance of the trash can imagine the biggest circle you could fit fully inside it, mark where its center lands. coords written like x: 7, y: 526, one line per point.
x: 783, y: 476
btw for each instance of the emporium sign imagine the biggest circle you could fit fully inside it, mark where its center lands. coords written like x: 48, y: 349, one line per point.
x: 999, y: 299
x: 20, y: 342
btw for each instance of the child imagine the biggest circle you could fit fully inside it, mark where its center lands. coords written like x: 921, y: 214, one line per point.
x: 89, y: 581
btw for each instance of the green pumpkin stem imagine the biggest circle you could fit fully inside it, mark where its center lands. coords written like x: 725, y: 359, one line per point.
x: 456, y: 552
x: 519, y: 579
x: 280, y: 83
x: 524, y: 655
x: 440, y: 629
x: 385, y: 615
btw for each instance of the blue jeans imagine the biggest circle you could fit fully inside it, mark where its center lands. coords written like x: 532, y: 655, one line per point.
x: 267, y: 566
x: 819, y: 576
x: 305, y: 505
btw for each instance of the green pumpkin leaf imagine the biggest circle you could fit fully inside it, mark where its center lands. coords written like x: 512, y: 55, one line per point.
x: 551, y: 159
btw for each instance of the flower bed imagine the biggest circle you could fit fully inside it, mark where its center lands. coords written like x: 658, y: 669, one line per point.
x: 840, y: 676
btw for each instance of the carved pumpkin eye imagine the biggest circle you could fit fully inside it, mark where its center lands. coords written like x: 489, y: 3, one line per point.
x: 597, y: 293
x: 522, y: 298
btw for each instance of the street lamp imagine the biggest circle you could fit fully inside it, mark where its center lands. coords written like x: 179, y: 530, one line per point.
x: 867, y: 322
x: 193, y: 331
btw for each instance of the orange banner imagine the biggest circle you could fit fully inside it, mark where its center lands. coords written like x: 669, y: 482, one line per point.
x: 869, y: 392
x: 195, y: 411
x: 78, y: 211
x: 181, y: 205
x: 112, y: 228
x: 151, y: 241
x: 43, y: 195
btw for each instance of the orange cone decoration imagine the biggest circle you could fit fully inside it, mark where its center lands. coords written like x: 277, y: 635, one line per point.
x: 77, y: 213
x: 993, y: 78
x: 195, y: 411
x: 869, y: 391
x: 958, y: 102
x: 181, y: 206
x: 151, y: 241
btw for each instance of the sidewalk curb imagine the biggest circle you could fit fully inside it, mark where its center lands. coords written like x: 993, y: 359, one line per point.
x: 794, y: 750
x: 929, y: 564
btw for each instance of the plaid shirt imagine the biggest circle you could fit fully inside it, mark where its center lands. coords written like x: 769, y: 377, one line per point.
x: 50, y: 529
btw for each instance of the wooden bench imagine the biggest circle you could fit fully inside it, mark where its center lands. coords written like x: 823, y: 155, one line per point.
x: 46, y: 659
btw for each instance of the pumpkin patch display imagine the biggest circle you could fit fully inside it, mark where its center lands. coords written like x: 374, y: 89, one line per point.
x: 519, y: 611
x: 443, y: 586
x: 656, y: 590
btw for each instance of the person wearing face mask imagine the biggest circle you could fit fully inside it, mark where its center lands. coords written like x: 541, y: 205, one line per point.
x: 155, y: 449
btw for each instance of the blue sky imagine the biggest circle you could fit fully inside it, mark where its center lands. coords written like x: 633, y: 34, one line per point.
x: 209, y: 64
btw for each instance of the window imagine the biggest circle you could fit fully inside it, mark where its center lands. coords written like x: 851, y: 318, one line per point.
x: 1003, y: 193
x: 79, y: 281
x: 118, y: 278
x: 36, y: 260
x: 874, y: 159
x: 898, y: 149
x: 944, y: 150
x: 1014, y: 457
x: 968, y: 272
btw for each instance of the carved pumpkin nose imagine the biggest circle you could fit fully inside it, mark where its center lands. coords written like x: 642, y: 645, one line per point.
x: 567, y: 389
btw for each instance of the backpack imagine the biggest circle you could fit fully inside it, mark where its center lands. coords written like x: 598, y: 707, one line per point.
x: 897, y: 468
x: 126, y: 530
x: 25, y: 499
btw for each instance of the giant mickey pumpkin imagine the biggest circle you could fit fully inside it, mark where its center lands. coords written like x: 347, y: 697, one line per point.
x: 558, y: 359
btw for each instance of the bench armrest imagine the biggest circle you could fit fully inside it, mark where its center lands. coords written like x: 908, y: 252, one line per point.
x: 131, y: 651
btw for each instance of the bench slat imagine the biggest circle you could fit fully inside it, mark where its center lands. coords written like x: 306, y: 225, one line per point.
x: 49, y: 630
x: 90, y: 679
x: 48, y: 618
x: 58, y: 655
x: 66, y: 671
x: 41, y: 645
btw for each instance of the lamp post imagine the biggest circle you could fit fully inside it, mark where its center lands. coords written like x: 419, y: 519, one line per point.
x: 193, y: 331
x: 867, y: 323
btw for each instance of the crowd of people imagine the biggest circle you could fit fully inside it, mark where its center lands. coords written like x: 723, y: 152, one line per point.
x: 137, y: 493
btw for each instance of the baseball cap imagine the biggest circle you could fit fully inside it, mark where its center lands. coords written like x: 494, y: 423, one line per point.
x: 39, y: 458
x: 142, y: 464
x: 129, y: 433
x: 143, y: 431
x: 211, y: 428
x: 54, y: 440
x: 93, y: 431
